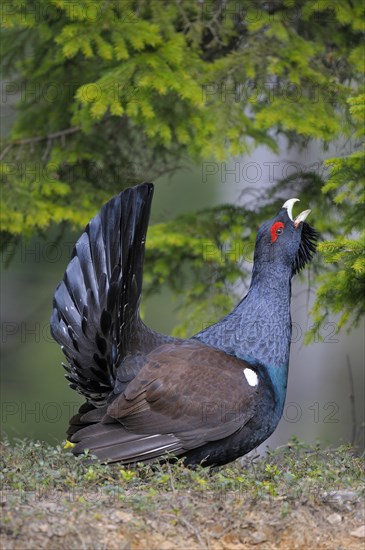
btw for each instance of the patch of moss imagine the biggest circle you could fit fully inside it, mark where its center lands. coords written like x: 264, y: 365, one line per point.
x: 292, y: 472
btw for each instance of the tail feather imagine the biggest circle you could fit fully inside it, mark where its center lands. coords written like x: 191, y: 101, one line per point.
x: 94, y: 430
x: 111, y: 442
x: 96, y: 305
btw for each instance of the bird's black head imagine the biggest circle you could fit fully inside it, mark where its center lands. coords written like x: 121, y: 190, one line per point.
x: 284, y: 241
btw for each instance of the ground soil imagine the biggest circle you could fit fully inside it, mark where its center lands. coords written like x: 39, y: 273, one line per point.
x: 179, y: 520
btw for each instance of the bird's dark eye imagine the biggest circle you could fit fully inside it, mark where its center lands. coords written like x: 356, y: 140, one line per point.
x: 279, y: 231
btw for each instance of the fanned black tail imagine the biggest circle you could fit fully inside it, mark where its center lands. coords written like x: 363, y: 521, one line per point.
x: 96, y: 305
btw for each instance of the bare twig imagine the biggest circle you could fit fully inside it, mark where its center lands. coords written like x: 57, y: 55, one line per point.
x: 55, y: 135
x: 47, y: 150
x: 6, y: 150
x: 171, y: 478
x: 352, y: 402
x: 37, y: 139
x: 190, y: 527
x: 195, y: 531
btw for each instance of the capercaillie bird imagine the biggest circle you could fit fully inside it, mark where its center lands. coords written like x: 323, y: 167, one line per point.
x: 210, y: 398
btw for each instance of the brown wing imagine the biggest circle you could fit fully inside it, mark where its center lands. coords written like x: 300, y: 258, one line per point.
x: 185, y: 395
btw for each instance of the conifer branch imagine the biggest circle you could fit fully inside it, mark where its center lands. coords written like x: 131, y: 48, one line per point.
x: 38, y: 139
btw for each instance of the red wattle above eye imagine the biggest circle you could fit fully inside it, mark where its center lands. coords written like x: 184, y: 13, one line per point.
x: 275, y: 226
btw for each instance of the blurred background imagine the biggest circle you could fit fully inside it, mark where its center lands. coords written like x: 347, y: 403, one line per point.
x: 250, y: 168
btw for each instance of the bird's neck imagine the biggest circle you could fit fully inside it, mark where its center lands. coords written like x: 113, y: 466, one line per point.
x: 258, y: 330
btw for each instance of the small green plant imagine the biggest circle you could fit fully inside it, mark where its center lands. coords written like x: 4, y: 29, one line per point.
x: 290, y: 471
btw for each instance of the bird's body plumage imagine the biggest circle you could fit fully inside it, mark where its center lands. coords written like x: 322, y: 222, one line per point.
x: 210, y: 398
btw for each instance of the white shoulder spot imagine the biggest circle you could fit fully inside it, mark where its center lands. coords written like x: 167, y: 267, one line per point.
x: 251, y: 376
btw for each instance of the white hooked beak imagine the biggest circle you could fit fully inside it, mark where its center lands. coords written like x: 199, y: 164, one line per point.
x: 289, y: 207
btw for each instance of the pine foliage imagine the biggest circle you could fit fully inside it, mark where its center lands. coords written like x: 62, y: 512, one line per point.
x: 342, y: 288
x: 112, y: 93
